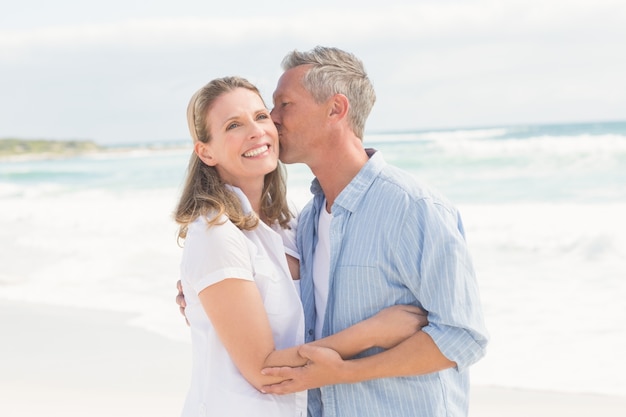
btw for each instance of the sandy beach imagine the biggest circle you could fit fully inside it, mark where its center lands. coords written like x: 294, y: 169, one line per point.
x: 60, y: 361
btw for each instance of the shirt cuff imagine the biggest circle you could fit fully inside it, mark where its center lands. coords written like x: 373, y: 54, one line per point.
x: 457, y: 344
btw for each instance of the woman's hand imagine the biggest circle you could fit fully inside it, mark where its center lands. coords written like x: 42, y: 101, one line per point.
x: 394, y: 324
x: 180, y: 300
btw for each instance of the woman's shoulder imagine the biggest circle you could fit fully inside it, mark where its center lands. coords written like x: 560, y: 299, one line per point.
x: 219, y: 239
x: 212, y: 225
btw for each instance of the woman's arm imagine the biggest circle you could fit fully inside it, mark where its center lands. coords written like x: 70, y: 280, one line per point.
x: 236, y: 311
x: 386, y: 329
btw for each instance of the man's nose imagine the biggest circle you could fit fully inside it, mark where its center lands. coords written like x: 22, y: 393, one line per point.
x: 274, y: 115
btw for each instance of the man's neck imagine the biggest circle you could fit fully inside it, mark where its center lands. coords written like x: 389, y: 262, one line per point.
x: 338, y: 167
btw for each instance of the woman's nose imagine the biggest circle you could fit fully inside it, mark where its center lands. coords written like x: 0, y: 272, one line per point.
x: 256, y: 130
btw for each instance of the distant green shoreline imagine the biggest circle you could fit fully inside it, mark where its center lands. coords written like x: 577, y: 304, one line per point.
x: 42, y: 147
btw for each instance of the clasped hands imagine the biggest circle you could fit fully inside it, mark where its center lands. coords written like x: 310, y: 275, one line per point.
x: 325, y: 366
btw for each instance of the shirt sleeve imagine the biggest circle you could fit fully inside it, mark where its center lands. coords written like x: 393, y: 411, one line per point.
x: 447, y: 287
x: 289, y: 238
x: 214, y: 253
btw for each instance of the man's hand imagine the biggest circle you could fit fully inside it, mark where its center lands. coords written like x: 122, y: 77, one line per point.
x: 324, y: 367
x: 180, y: 300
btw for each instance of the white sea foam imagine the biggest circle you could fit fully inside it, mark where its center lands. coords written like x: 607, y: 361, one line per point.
x: 538, y: 146
x: 430, y: 136
x: 552, y: 284
x: 114, y: 251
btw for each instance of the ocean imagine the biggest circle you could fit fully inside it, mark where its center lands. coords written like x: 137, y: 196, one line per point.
x: 543, y: 207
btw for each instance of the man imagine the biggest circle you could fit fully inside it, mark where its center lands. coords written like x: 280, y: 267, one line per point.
x: 370, y: 238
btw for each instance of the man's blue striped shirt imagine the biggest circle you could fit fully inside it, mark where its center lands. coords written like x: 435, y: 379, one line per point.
x: 394, y: 241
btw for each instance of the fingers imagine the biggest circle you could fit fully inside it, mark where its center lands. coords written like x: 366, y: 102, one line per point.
x: 318, y: 355
x: 180, y: 297
x: 421, y: 315
x: 408, y: 308
x: 285, y: 372
x: 180, y: 300
x: 284, y: 387
x: 308, y: 351
x: 287, y: 386
x: 414, y: 310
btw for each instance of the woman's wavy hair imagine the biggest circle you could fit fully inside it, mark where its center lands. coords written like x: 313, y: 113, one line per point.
x: 204, y: 193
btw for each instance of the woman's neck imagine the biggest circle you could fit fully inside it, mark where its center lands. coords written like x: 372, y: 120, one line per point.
x: 254, y: 194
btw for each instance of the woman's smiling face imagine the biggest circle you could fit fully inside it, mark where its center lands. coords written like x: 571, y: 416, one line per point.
x: 244, y: 140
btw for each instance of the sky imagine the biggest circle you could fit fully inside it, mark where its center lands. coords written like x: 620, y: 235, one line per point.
x: 123, y: 71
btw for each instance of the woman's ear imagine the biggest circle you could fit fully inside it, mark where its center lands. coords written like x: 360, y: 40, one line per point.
x: 204, y: 153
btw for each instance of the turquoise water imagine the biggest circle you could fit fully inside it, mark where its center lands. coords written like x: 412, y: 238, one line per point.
x: 129, y: 169
x: 581, y: 163
x: 557, y: 163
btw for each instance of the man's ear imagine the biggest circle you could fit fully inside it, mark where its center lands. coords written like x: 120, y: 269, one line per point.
x: 339, y: 105
x: 204, y: 153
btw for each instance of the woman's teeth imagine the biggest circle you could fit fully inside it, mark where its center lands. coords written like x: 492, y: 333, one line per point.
x: 255, y: 152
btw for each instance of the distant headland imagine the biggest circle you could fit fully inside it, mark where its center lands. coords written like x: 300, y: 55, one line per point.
x: 11, y: 147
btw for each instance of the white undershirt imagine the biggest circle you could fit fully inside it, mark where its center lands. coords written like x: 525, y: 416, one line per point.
x: 321, y: 269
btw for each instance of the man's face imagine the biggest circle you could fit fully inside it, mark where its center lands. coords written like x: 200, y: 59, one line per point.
x: 298, y: 118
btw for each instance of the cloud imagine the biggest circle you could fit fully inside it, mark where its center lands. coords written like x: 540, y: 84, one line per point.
x: 434, y: 63
x: 419, y: 21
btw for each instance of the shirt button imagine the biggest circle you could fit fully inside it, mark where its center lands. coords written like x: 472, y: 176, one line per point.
x: 310, y: 332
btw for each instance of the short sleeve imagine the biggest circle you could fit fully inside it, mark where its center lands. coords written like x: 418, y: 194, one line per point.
x: 289, y: 238
x: 214, y: 253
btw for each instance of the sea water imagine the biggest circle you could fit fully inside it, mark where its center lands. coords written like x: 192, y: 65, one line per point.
x: 543, y: 208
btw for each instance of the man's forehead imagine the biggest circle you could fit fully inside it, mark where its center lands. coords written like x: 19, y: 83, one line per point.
x: 281, y: 90
x: 289, y: 80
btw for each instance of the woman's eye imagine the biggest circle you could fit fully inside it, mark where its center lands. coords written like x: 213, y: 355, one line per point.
x: 263, y: 116
x: 231, y: 126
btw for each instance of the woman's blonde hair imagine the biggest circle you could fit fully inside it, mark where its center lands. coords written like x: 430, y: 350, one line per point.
x: 204, y: 192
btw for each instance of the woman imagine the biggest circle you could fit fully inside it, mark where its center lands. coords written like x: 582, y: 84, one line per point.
x: 242, y: 305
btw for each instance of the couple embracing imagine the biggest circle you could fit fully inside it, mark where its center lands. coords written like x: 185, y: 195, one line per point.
x: 365, y: 305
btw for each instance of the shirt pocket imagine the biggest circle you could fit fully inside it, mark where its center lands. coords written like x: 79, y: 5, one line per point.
x: 368, y: 289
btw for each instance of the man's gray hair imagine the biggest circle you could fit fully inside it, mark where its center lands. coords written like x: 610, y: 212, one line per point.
x: 334, y: 71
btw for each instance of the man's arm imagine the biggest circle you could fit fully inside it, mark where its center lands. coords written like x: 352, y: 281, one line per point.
x: 417, y: 355
x: 385, y: 329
